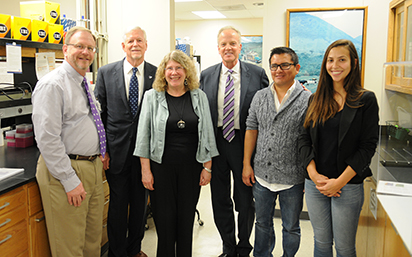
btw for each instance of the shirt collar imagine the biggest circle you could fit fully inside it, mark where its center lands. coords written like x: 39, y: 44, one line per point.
x: 235, y: 69
x: 72, y: 72
x: 128, y: 67
x: 289, y: 92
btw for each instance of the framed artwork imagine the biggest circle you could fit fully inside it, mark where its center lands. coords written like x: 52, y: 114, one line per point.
x: 251, y: 50
x: 310, y: 31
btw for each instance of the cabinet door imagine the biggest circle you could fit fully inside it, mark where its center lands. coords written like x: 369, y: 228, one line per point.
x: 393, y: 242
x: 39, y: 241
x: 13, y: 241
x: 376, y: 228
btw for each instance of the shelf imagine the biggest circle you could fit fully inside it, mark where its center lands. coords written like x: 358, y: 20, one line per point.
x: 30, y: 48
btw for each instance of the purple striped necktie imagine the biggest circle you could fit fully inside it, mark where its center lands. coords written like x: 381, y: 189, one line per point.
x: 97, y: 120
x: 229, y: 109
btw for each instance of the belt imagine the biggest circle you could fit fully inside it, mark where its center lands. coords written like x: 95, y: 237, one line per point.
x: 82, y: 158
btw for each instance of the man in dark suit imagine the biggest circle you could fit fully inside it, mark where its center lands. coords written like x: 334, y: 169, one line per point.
x: 119, y: 89
x: 230, y: 87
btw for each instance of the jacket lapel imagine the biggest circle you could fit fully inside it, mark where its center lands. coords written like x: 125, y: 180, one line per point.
x: 118, y: 74
x: 244, y: 81
x: 348, y: 114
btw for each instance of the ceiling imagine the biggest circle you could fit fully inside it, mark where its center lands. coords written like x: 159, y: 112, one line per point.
x: 232, y: 9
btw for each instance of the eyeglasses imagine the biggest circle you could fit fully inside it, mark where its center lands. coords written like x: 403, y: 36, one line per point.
x: 283, y: 66
x: 80, y: 47
x: 178, y: 68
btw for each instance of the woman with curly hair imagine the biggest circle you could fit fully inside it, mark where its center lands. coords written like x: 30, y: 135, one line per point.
x: 175, y: 143
x: 336, y: 147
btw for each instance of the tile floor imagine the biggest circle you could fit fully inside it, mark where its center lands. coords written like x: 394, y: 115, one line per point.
x: 206, y: 239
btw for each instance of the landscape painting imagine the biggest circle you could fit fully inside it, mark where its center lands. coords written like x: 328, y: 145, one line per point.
x: 251, y: 50
x: 311, y: 31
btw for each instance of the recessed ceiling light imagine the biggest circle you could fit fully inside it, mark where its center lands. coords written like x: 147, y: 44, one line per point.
x: 209, y: 14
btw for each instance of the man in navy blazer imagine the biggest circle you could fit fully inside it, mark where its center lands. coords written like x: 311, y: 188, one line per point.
x: 128, y: 197
x: 248, y: 79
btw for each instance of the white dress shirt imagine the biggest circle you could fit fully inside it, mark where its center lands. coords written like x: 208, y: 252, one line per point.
x: 128, y: 72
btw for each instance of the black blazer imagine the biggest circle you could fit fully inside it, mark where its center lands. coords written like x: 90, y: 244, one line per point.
x: 120, y: 124
x: 358, y: 137
x: 252, y: 79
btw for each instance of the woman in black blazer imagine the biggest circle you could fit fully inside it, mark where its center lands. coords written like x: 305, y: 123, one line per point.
x: 336, y: 146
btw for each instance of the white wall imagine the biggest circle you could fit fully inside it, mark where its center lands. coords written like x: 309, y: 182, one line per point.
x: 156, y: 17
x: 203, y: 35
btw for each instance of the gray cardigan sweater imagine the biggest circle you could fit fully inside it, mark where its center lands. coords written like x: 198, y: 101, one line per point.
x: 277, y: 159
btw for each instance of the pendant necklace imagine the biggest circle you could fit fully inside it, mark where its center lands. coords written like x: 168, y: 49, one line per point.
x: 181, y: 123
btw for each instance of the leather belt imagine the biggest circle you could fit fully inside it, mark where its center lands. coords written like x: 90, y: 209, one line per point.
x: 82, y: 158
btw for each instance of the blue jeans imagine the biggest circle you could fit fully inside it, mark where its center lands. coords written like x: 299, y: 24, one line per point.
x: 291, y: 202
x: 334, y: 218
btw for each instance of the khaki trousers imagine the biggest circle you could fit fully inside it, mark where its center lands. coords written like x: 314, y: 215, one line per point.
x: 73, y: 231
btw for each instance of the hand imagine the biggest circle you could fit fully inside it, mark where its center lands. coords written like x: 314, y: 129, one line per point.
x: 147, y: 179
x: 77, y: 195
x: 205, y: 177
x: 329, y: 187
x: 248, y: 176
x: 105, y: 161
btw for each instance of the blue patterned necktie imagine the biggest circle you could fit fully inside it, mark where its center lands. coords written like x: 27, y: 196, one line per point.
x: 229, y: 109
x: 97, y: 120
x: 134, y: 92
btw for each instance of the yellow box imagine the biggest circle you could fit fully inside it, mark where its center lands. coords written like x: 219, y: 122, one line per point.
x: 5, y: 26
x: 39, y: 31
x: 20, y: 28
x: 55, y: 33
x: 41, y: 10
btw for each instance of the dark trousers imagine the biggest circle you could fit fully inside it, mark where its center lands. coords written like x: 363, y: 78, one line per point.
x: 173, y: 201
x: 231, y: 159
x: 127, y: 210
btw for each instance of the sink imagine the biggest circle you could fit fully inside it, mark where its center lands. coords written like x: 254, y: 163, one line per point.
x: 7, y: 172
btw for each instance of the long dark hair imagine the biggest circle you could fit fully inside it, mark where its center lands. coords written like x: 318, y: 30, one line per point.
x: 323, y: 106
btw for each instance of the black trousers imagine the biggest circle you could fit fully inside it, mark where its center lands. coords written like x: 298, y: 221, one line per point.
x: 127, y: 210
x: 173, y: 201
x: 231, y: 160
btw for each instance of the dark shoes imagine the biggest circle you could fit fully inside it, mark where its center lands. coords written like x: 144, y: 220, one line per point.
x: 227, y: 255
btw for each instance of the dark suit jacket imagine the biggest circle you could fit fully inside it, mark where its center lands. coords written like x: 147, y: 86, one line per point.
x: 358, y: 136
x: 252, y: 79
x: 120, y: 125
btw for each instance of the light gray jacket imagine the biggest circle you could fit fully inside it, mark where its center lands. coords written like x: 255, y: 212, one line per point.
x: 151, y: 131
x: 277, y: 159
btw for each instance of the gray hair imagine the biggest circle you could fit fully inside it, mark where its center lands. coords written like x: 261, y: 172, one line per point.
x: 229, y: 28
x: 128, y: 30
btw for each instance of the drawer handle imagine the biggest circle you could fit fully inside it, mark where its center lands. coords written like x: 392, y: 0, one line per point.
x: 108, y: 200
x: 4, y: 223
x: 5, y: 205
x: 41, y: 219
x: 4, y: 240
x: 104, y: 181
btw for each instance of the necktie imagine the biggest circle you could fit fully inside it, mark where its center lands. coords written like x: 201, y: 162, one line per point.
x: 97, y: 120
x: 229, y: 109
x: 134, y: 92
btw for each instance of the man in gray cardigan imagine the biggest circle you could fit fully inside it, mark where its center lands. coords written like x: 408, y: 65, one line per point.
x: 275, y: 119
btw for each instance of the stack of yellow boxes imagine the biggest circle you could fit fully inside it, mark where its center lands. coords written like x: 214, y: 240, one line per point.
x: 45, y: 17
x: 39, y: 21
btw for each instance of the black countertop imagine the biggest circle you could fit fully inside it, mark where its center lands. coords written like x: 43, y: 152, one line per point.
x: 26, y: 158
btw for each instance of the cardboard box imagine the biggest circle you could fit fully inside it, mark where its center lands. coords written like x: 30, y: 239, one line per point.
x: 41, y: 10
x: 55, y: 34
x: 20, y: 28
x: 5, y: 26
x: 40, y: 31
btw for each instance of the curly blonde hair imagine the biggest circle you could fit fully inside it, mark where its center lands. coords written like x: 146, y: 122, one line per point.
x: 191, y: 81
